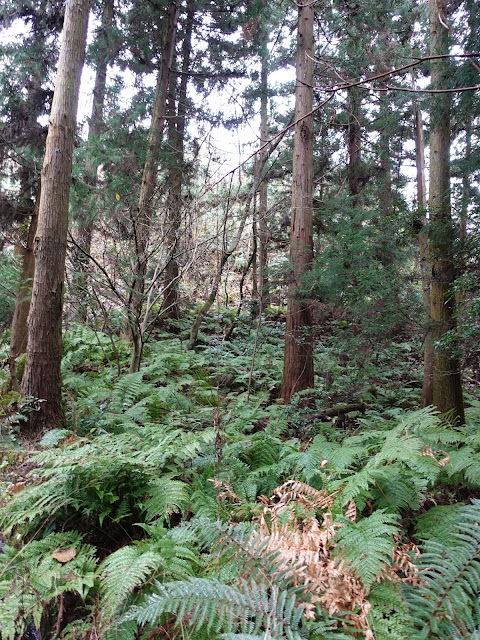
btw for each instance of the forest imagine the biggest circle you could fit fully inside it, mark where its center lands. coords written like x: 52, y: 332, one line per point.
x: 239, y: 320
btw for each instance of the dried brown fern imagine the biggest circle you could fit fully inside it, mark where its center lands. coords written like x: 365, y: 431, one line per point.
x: 290, y: 524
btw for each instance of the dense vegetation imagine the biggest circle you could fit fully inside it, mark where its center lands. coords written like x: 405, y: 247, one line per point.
x: 245, y: 404
x: 151, y: 508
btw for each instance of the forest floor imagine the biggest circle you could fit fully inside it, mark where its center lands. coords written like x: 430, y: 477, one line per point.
x: 140, y: 488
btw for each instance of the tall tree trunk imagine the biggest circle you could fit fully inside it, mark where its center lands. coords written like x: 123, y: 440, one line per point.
x: 425, y: 268
x: 19, y: 333
x: 386, y: 195
x: 298, y: 371
x: 354, y: 144
x: 174, y: 203
x: 147, y: 188
x: 262, y: 205
x: 447, y: 382
x: 84, y: 220
x: 462, y: 233
x: 44, y: 352
x: 254, y: 261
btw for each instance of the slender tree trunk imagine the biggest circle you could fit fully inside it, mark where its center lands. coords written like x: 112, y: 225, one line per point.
x: 447, y: 382
x: 462, y: 234
x: 174, y: 204
x: 298, y: 371
x: 386, y: 195
x: 27, y: 177
x: 170, y: 307
x: 85, y: 220
x: 44, y: 352
x: 254, y: 262
x: 19, y: 334
x: 263, y: 195
x: 425, y: 267
x: 354, y: 144
x: 147, y: 189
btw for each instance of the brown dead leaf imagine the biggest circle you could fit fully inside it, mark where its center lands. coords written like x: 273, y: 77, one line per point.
x: 65, y: 555
x: 15, y: 488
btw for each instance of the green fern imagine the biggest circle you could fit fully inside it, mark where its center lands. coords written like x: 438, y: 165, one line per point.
x: 445, y: 605
x: 165, y: 497
x: 31, y: 578
x: 367, y: 546
x: 388, y: 616
x: 249, y: 607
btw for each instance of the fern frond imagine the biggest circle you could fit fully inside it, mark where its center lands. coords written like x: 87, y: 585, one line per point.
x: 32, y: 578
x: 389, y: 614
x: 123, y: 571
x: 166, y: 496
x: 438, y: 524
x: 248, y: 608
x: 445, y: 605
x: 367, y: 546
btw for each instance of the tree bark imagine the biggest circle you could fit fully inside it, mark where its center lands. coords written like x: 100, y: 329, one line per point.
x: 447, y: 382
x: 147, y: 189
x: 44, y: 352
x: 263, y: 194
x: 174, y: 203
x: 19, y: 333
x: 298, y: 371
x: 425, y: 267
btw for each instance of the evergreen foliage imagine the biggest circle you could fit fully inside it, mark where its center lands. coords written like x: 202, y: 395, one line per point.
x: 185, y: 500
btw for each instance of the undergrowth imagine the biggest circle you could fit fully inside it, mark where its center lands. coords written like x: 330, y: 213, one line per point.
x: 184, y: 498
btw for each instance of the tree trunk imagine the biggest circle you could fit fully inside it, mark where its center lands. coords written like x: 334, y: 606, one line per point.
x: 425, y: 267
x: 174, y: 204
x: 263, y: 206
x: 354, y: 144
x: 44, y: 352
x: 147, y: 188
x: 298, y: 371
x: 19, y: 333
x: 85, y: 220
x: 462, y: 232
x: 447, y: 382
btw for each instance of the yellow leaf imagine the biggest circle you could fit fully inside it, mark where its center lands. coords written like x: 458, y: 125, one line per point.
x: 117, y: 196
x: 64, y: 555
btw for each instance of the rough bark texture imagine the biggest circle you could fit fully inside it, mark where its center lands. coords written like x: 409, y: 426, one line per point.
x: 447, y: 383
x: 84, y: 220
x: 425, y: 267
x: 42, y: 370
x: 298, y: 363
x: 147, y: 189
